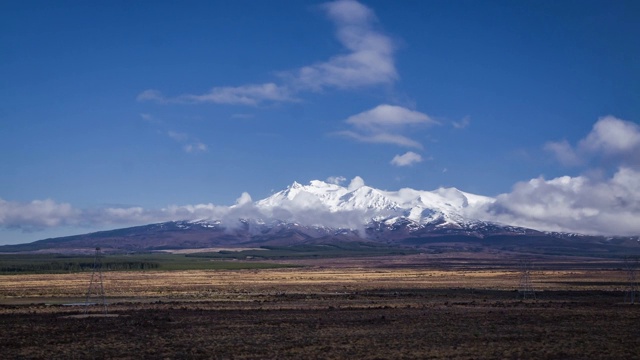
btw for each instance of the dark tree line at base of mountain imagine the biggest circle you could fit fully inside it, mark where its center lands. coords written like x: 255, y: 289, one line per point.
x: 73, y: 266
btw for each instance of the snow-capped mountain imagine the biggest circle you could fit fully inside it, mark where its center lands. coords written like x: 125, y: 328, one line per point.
x: 444, y: 207
x: 324, y: 213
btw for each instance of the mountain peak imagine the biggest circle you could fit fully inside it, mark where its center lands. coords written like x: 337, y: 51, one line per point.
x: 321, y: 200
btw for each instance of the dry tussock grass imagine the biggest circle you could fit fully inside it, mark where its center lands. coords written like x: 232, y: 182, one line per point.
x: 355, y: 311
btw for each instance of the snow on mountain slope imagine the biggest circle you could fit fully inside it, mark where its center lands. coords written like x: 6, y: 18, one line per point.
x: 443, y: 207
x: 327, y: 194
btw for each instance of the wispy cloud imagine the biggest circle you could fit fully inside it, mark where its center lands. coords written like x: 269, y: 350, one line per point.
x: 385, y: 124
x: 146, y: 117
x: 336, y: 180
x: 380, y: 138
x: 151, y: 95
x: 369, y: 61
x: 462, y: 124
x: 407, y: 159
x: 178, y: 136
x: 241, y: 95
x: 195, y: 147
x: 563, y: 152
x: 189, y: 144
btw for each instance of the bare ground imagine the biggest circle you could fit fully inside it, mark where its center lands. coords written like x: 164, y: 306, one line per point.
x: 393, y: 308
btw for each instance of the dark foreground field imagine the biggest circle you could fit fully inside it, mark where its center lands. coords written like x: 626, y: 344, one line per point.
x: 376, y: 310
x: 410, y: 325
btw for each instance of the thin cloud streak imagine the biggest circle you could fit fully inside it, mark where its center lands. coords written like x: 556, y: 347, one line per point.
x: 241, y: 95
x: 380, y: 138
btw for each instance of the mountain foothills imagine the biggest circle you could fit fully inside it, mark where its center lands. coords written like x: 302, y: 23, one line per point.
x: 445, y: 219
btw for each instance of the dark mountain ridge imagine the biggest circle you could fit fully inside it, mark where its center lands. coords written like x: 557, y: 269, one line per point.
x: 176, y: 235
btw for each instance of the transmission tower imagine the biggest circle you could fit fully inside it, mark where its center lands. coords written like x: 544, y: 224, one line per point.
x: 96, y: 285
x: 632, y: 293
x: 525, y: 288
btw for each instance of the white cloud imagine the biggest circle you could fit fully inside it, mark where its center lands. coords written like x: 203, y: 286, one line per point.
x: 564, y: 152
x: 190, y: 146
x: 41, y: 214
x: 581, y: 204
x: 146, y: 117
x: 36, y: 215
x: 610, y: 138
x: 356, y: 183
x: 388, y: 116
x: 151, y: 95
x: 178, y: 136
x: 244, y: 199
x: 384, y: 124
x: 611, y: 135
x: 195, y: 147
x: 369, y: 61
x: 407, y: 159
x: 336, y: 180
x: 573, y: 204
x: 241, y: 95
x: 466, y: 121
x: 381, y: 138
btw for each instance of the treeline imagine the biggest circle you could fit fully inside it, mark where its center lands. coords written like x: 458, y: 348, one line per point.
x: 71, y: 266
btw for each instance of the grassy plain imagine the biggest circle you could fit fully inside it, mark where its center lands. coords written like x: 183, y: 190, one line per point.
x: 413, y: 307
x: 61, y: 264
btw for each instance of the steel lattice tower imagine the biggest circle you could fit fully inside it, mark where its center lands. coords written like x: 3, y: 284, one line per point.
x: 96, y: 282
x: 632, y: 292
x: 525, y: 288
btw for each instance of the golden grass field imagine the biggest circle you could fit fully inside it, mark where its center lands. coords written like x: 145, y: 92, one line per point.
x: 411, y: 307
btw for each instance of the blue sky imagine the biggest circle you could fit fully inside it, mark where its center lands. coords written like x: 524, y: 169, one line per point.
x: 149, y: 104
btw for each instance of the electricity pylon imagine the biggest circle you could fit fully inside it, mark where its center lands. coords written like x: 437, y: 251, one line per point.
x: 525, y: 288
x: 632, y: 293
x: 96, y: 282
